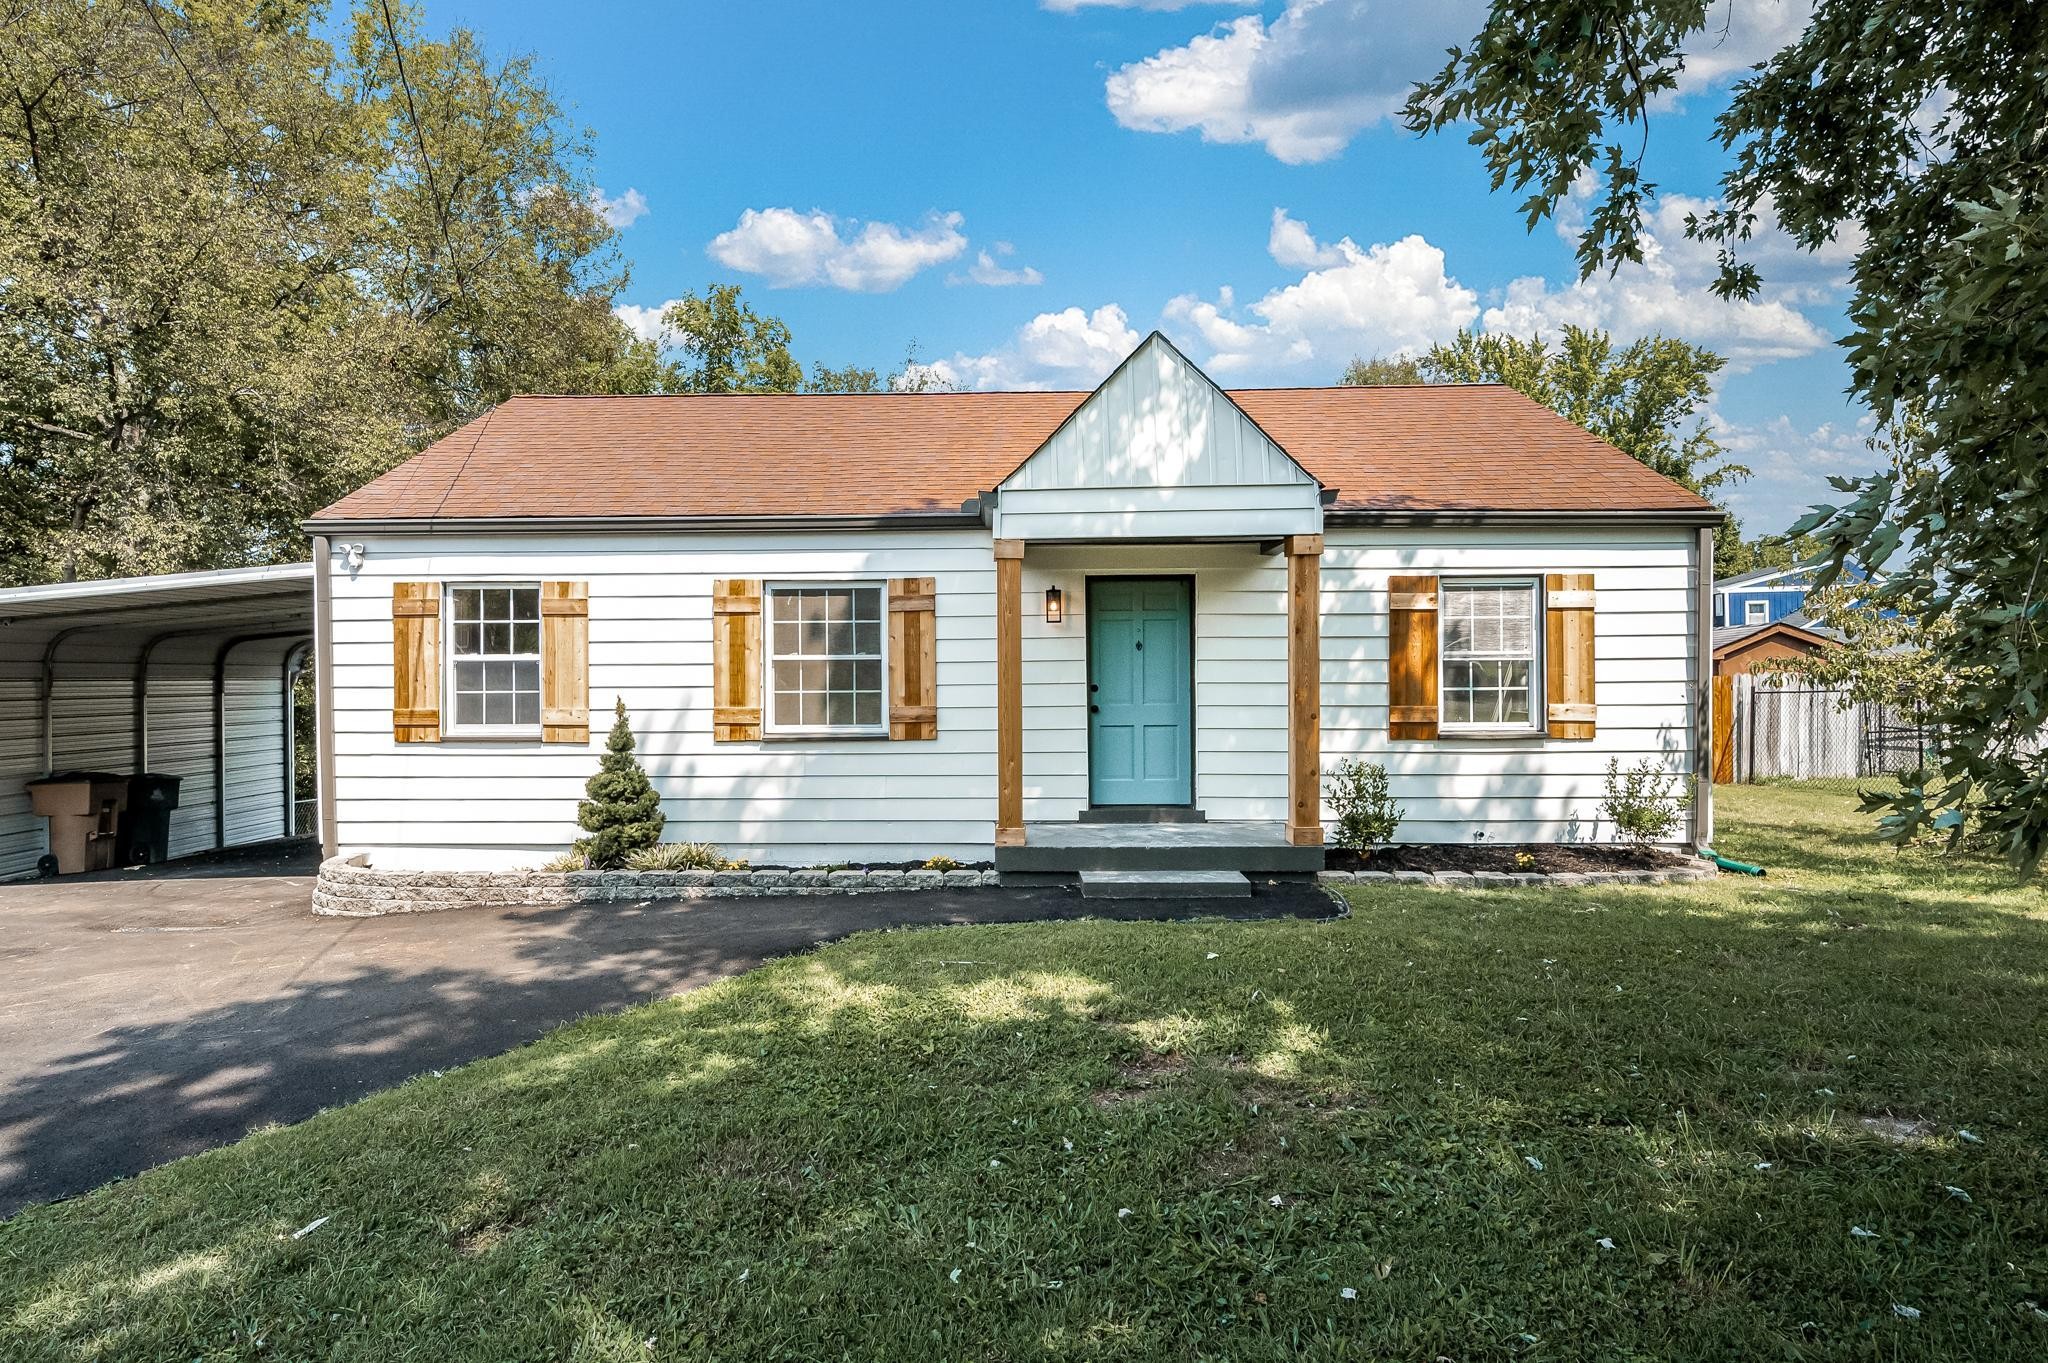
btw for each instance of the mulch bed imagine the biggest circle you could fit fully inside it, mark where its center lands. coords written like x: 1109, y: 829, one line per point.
x: 1551, y: 858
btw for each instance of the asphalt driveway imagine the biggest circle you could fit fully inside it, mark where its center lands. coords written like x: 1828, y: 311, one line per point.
x: 148, y: 1015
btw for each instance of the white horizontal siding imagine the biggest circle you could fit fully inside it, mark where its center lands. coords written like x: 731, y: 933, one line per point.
x: 802, y: 801
x: 821, y: 801
x: 1515, y: 789
x: 1240, y: 663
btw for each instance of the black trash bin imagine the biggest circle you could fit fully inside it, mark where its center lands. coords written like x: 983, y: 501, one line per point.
x: 151, y: 798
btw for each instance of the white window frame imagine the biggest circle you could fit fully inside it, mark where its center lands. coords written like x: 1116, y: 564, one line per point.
x: 1539, y: 688
x: 449, y: 726
x: 771, y: 729
x: 1756, y: 612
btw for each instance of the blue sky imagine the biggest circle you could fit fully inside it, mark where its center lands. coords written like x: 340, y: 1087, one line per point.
x: 1026, y: 187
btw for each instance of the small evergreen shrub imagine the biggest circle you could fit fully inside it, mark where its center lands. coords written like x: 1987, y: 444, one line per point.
x: 678, y: 856
x: 1366, y: 814
x: 1646, y: 802
x: 623, y: 814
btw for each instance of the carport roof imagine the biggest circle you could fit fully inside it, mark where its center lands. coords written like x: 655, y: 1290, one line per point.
x: 278, y: 594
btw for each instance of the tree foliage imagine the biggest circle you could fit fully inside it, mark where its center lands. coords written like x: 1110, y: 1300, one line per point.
x: 1886, y: 656
x: 242, y: 271
x: 724, y: 346
x: 1923, y: 126
x: 623, y: 812
x: 1383, y: 371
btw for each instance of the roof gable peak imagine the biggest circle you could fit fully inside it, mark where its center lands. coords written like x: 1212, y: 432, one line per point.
x: 1157, y: 421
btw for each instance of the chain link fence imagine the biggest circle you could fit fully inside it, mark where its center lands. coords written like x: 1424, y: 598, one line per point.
x: 1766, y: 730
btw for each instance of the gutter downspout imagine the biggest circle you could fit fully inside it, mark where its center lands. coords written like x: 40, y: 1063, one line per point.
x: 323, y: 690
x: 1703, y: 688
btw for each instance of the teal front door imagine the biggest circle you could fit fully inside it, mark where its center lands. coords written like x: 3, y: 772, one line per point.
x: 1141, y: 688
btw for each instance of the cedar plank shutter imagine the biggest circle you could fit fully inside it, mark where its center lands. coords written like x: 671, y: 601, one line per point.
x: 1411, y: 657
x: 565, y: 662
x: 735, y: 660
x: 913, y: 668
x: 416, y: 662
x: 1568, y: 649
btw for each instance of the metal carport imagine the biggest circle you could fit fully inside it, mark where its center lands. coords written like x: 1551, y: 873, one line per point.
x: 184, y: 673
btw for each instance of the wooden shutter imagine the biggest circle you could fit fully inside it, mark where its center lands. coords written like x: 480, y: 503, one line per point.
x: 1411, y: 657
x: 913, y: 666
x: 1568, y: 653
x: 416, y: 662
x: 735, y: 660
x: 565, y: 662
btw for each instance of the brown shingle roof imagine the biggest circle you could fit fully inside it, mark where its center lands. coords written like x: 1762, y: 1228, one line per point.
x: 1443, y: 448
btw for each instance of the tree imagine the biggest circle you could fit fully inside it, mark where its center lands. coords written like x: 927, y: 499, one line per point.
x: 623, y: 814
x: 242, y: 273
x: 851, y: 379
x: 1922, y: 126
x: 1886, y: 656
x: 1383, y: 371
x: 1647, y: 399
x: 727, y: 347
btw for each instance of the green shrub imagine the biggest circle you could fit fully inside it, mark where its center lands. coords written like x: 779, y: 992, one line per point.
x: 568, y: 861
x: 1366, y: 814
x: 1642, y: 801
x: 678, y: 856
x: 623, y: 814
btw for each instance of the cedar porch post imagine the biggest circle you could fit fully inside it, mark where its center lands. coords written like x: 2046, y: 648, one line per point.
x: 1304, y: 690
x: 1009, y: 693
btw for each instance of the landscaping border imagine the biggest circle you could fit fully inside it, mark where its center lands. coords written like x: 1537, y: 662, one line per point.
x: 1516, y: 880
x: 348, y: 888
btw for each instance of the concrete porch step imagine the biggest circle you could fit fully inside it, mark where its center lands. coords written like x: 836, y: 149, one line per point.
x: 1165, y: 885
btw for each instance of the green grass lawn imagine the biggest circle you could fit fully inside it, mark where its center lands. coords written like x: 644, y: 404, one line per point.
x: 1612, y: 1124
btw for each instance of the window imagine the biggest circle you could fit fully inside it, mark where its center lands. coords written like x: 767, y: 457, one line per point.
x: 1756, y: 612
x: 1490, y: 676
x: 494, y: 656
x: 825, y: 666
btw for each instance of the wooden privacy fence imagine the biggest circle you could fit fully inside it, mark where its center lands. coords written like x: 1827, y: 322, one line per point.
x: 1766, y: 729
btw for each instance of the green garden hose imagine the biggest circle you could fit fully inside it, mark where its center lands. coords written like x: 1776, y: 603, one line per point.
x: 1730, y: 864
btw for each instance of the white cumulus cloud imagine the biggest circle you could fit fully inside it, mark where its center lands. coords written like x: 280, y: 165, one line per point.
x: 621, y: 211
x: 1671, y: 292
x: 1071, y: 348
x: 1790, y: 466
x: 789, y: 248
x: 1070, y: 6
x: 988, y: 271
x: 1313, y: 78
x: 645, y: 322
x: 1385, y: 298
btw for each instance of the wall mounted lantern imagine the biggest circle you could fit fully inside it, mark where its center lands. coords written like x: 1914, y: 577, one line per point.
x: 1055, y: 606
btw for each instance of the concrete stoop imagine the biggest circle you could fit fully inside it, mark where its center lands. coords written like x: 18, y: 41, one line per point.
x: 1165, y: 885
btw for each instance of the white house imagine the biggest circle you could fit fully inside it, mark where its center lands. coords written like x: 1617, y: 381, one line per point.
x: 888, y: 626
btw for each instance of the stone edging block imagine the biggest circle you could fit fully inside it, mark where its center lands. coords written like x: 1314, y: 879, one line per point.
x: 1505, y: 880
x: 346, y: 888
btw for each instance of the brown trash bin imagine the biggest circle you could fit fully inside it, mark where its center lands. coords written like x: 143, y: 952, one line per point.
x: 84, y: 809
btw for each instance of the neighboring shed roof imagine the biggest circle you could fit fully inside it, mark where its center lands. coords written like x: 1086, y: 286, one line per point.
x: 1727, y: 637
x: 1396, y: 449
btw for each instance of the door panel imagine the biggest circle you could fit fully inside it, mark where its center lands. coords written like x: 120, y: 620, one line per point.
x: 1141, y: 692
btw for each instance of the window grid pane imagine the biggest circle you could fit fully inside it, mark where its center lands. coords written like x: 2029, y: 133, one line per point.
x: 826, y: 666
x: 494, y: 635
x: 1489, y: 654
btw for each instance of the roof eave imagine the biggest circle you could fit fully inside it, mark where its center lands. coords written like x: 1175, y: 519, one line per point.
x: 966, y: 518
x: 1369, y: 516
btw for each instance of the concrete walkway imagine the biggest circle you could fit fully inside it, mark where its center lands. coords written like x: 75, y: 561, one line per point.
x: 148, y: 1015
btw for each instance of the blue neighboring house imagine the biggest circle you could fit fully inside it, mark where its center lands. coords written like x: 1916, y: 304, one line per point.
x: 1768, y: 595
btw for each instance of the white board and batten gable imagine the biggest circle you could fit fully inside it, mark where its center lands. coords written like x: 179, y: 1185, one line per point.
x: 1158, y: 452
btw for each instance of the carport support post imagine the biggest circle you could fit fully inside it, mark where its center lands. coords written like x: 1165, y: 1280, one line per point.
x: 1009, y: 693
x: 1304, y: 690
